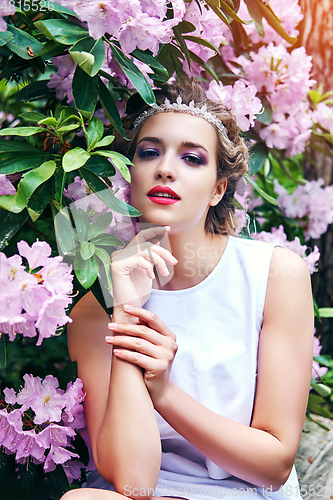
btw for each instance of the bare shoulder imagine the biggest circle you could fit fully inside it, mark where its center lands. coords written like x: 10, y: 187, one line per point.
x: 289, y: 285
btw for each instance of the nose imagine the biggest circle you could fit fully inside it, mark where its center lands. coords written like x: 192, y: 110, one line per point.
x: 165, y: 168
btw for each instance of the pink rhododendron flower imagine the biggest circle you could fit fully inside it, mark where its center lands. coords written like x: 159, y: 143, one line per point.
x: 29, y: 301
x: 6, y: 187
x: 277, y: 235
x: 285, y: 79
x: 312, y: 203
x: 37, y: 255
x: 57, y: 455
x: 134, y: 23
x: 324, y: 116
x: 240, y: 99
x: 73, y: 397
x: 6, y: 9
x: 46, y: 441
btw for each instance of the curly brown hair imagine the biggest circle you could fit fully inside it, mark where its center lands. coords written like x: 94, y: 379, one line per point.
x: 231, y: 154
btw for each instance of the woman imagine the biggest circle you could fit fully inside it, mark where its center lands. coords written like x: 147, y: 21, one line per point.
x: 222, y: 417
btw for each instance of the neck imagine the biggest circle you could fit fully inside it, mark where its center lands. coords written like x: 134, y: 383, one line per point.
x: 197, y: 256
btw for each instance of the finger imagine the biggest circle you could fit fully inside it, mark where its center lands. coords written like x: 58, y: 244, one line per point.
x: 145, y: 362
x: 134, y: 344
x: 136, y: 331
x: 147, y: 234
x: 151, y: 319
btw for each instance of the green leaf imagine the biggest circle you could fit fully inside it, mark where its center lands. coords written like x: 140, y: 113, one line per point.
x: 32, y: 116
x: 256, y: 15
x: 262, y: 193
x: 105, y: 258
x: 5, y: 36
x: 266, y: 116
x: 219, y: 13
x: 100, y: 166
x: 84, y: 92
x: 86, y: 271
x: 67, y: 374
x: 27, y: 185
x: 41, y: 197
x: 204, y: 65
x: 57, y: 482
x: 106, y: 195
x: 68, y: 128
x: 182, y: 45
x: 107, y: 240
x: 315, y: 96
x: 22, y: 131
x: 87, y: 250
x: 74, y: 159
x: 10, y: 224
x: 118, y: 160
x: 134, y: 75
x: 81, y: 224
x: 110, y: 107
x: 21, y: 163
x: 18, y: 146
x: 80, y: 448
x: 99, y: 225
x: 63, y: 231
x: 258, y: 155
x: 186, y: 27
x: 323, y: 360
x: 319, y: 149
x: 20, y: 42
x: 147, y: 58
x: 326, y: 312
x: 203, y: 42
x: 321, y: 389
x: 34, y: 91
x: 228, y: 10
x: 62, y: 31
x: 49, y: 120
x: 106, y: 141
x: 95, y: 132
x: 273, y: 21
x: 50, y: 5
x: 89, y: 54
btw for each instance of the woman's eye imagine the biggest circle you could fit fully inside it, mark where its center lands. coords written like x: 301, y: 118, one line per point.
x: 147, y: 153
x: 197, y: 160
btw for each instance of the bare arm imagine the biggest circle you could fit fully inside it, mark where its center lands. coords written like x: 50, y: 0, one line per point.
x: 119, y: 412
x: 120, y: 415
x: 264, y: 453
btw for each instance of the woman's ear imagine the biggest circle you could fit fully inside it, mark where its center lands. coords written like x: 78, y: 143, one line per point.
x: 220, y: 188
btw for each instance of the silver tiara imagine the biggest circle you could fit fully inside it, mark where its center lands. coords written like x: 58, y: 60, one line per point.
x: 180, y: 107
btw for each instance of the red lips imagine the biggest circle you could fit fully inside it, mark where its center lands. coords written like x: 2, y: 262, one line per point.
x: 155, y: 195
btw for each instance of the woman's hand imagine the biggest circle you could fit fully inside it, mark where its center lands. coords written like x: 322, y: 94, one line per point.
x: 133, y: 267
x: 148, y: 344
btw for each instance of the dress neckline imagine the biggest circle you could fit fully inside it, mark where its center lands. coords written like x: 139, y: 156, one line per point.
x: 206, y: 280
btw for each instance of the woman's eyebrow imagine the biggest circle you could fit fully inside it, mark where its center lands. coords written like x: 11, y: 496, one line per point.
x: 155, y: 140
x: 187, y: 144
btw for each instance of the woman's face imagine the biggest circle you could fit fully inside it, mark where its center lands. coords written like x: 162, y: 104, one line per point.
x: 174, y: 178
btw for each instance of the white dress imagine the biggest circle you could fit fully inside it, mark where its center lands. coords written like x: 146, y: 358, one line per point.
x: 217, y: 324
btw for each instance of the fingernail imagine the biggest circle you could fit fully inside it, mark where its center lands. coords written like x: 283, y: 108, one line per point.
x: 109, y: 339
x: 128, y: 307
x: 116, y: 352
x: 112, y: 326
x: 174, y: 260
